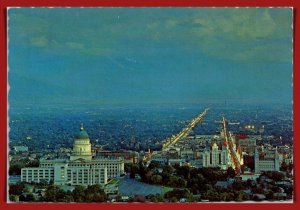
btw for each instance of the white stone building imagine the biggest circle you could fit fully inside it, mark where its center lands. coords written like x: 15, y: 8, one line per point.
x: 266, y: 160
x: 81, y: 169
x: 216, y: 157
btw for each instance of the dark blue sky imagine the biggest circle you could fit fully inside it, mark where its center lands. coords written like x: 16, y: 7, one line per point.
x: 149, y: 55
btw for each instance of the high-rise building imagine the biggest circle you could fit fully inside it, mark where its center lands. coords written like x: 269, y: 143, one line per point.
x: 216, y: 157
x: 81, y: 169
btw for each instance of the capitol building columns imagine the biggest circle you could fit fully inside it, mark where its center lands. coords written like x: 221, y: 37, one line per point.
x: 82, y: 148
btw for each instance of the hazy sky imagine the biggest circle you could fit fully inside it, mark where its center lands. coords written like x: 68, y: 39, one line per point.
x: 149, y: 55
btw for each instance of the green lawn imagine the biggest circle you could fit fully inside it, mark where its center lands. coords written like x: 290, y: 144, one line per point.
x: 165, y: 190
x: 114, y: 181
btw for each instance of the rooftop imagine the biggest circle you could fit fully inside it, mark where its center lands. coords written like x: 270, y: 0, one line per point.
x: 82, y: 134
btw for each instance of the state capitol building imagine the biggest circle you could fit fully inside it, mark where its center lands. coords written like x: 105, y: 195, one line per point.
x: 80, y: 169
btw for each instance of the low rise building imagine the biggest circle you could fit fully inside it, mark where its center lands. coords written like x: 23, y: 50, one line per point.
x: 266, y: 159
x: 21, y: 148
x: 178, y: 161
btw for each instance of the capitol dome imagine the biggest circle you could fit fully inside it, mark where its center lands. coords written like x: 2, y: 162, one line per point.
x: 82, y: 134
x: 82, y: 148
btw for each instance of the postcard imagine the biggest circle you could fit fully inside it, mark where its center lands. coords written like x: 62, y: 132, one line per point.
x: 150, y: 104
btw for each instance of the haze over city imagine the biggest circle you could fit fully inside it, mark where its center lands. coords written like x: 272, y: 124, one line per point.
x: 107, y: 56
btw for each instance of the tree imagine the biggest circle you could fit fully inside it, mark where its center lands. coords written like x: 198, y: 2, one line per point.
x: 270, y: 195
x: 183, y: 171
x: 94, y: 189
x: 119, y: 198
x: 55, y: 194
x: 79, y: 193
x: 211, y: 195
x: 15, y: 168
x: 27, y: 197
x: 181, y: 182
x: 133, y: 171
x: 276, y: 189
x: 139, y: 198
x: 142, y: 171
x: 148, y: 176
x: 42, y: 183
x: 94, y: 193
x: 13, y: 198
x: 178, y: 194
x: 256, y: 198
x: 239, y: 185
x: 213, y: 174
x: 241, y: 196
x: 257, y: 189
x: 173, y: 200
x: 290, y: 166
x: 156, y: 198
x: 275, y: 175
x: 196, y: 184
x: 284, y: 166
x: 127, y: 167
x: 226, y: 196
x: 16, y: 189
x: 51, y: 182
x: 175, y: 181
x: 33, y: 163
x: 154, y: 164
x: 250, y: 183
x: 230, y: 172
x: 167, y: 169
x: 156, y: 179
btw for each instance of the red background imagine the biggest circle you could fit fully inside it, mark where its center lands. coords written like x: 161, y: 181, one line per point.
x: 143, y: 3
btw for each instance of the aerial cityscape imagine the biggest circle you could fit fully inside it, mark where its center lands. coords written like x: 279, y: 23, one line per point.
x: 122, y: 105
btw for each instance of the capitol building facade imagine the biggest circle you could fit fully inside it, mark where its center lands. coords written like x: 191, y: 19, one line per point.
x: 80, y: 169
